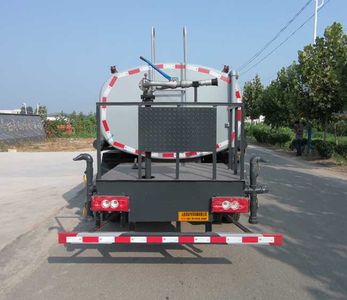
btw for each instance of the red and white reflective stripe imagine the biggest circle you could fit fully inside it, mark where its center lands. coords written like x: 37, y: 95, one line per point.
x: 105, y: 124
x: 118, y: 145
x: 148, y: 238
x: 238, y: 100
x: 238, y: 93
x: 113, y: 81
x: 203, y: 70
x: 180, y: 66
x: 225, y: 78
x: 134, y: 71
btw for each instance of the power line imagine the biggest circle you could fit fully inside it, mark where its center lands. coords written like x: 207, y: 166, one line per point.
x: 284, y: 41
x: 260, y: 51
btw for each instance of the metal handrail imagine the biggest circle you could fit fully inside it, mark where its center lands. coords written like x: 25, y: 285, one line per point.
x: 232, y: 109
x: 233, y: 105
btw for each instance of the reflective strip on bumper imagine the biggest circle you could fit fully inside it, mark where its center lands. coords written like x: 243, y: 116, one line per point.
x: 179, y: 238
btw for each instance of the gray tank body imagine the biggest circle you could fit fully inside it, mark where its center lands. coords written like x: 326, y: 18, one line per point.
x: 119, y: 125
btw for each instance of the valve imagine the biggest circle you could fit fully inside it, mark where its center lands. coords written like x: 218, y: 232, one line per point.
x: 253, y: 189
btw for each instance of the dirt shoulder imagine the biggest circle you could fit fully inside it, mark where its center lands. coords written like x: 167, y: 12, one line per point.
x: 330, y: 165
x: 54, y: 145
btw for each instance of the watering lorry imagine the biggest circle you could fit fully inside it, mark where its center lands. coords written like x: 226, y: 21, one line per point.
x: 170, y: 147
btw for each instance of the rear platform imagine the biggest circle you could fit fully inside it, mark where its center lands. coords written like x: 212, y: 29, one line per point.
x: 189, y: 171
x: 162, y: 197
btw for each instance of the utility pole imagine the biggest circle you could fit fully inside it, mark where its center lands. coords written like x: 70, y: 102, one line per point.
x: 317, y: 6
x: 25, y: 108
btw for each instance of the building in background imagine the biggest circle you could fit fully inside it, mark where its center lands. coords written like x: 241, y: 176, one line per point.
x: 15, y: 111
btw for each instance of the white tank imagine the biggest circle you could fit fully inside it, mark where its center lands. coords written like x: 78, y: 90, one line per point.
x: 119, y: 124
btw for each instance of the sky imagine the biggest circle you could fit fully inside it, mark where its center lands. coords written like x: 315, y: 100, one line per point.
x: 58, y: 53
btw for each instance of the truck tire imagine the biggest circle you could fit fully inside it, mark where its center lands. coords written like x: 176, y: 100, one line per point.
x: 114, y: 217
x: 217, y: 218
x: 235, y: 216
x: 123, y: 219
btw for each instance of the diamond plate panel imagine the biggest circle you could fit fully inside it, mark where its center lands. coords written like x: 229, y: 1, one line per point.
x: 177, y: 129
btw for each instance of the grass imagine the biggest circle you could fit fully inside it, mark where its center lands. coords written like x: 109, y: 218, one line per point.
x: 49, y: 145
x: 3, y: 147
x: 316, y: 135
x: 340, y: 160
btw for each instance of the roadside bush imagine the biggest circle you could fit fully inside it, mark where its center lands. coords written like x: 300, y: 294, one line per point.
x: 72, y: 125
x: 267, y: 135
x: 261, y: 133
x: 292, y: 145
x: 52, y: 128
x: 339, y: 127
x: 83, y: 125
x: 341, y: 150
x: 280, y: 135
x: 248, y: 129
x: 324, y: 149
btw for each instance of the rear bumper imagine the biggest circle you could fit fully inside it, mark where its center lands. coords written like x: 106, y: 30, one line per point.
x: 160, y: 201
x: 271, y: 239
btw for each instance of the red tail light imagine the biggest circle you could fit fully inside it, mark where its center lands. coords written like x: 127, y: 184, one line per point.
x: 230, y: 204
x: 110, y: 203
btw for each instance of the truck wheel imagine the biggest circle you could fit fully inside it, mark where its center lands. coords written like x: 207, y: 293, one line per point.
x: 217, y: 218
x: 132, y: 226
x: 235, y: 216
x: 97, y: 219
x: 104, y: 216
x: 114, y: 217
x: 123, y: 219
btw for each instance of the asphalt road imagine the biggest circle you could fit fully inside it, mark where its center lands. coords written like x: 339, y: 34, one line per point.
x: 306, y: 203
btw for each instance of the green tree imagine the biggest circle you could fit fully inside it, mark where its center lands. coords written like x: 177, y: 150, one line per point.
x: 30, y: 110
x: 41, y: 111
x: 323, y: 68
x: 272, y: 107
x: 278, y: 103
x: 23, y: 110
x: 252, y: 94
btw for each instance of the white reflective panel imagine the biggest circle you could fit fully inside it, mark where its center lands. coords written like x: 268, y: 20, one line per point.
x: 202, y: 239
x: 138, y: 239
x: 234, y: 239
x: 106, y: 239
x: 74, y: 240
x: 170, y: 239
x: 266, y: 239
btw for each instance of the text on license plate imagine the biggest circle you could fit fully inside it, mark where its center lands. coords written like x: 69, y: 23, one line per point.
x: 193, y: 216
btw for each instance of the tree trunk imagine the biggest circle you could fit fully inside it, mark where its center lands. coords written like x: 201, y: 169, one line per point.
x: 309, y: 138
x: 335, y: 134
x: 325, y: 130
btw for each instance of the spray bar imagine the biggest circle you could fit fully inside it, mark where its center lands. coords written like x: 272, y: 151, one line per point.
x: 176, y: 84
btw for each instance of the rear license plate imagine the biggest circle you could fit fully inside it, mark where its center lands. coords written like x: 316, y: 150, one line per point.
x: 193, y: 216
